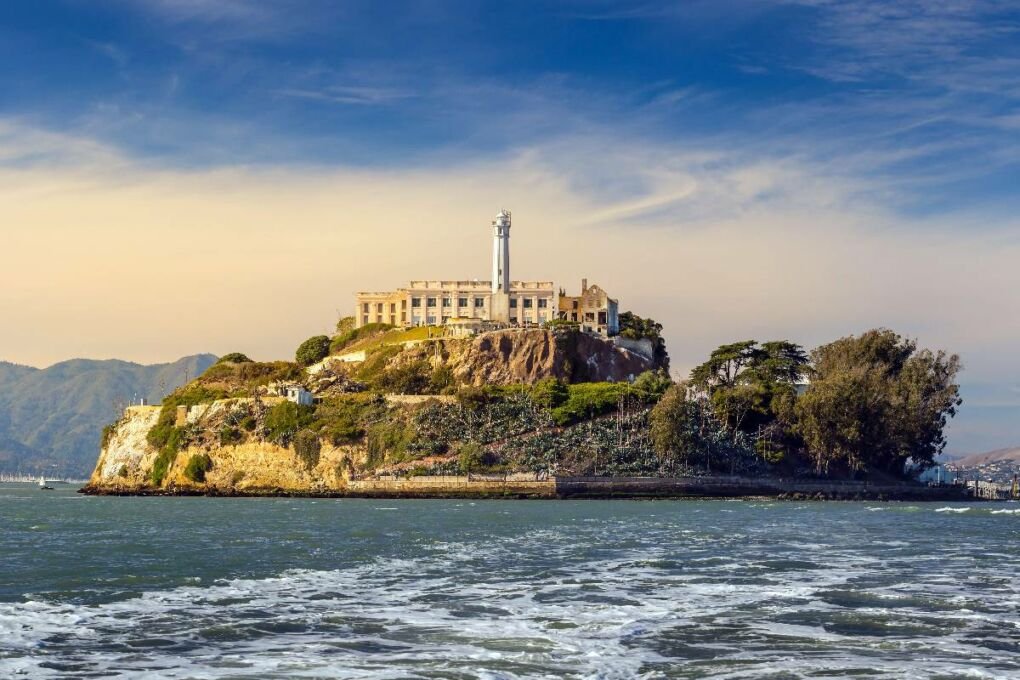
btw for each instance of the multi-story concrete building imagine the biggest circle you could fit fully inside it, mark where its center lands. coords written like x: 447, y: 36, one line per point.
x: 501, y: 300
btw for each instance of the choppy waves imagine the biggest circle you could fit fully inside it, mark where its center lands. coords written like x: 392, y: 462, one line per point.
x: 767, y: 595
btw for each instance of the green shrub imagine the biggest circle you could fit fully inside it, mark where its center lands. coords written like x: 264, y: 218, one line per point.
x: 376, y: 361
x: 307, y: 447
x: 312, y: 350
x: 470, y: 456
x: 197, y: 466
x: 234, y: 358
x: 284, y: 420
x: 230, y: 435
x: 342, y: 419
x: 189, y: 395
x: 588, y: 400
x: 175, y: 441
x: 107, y: 434
x: 472, y: 397
x: 442, y: 378
x: 123, y: 471
x: 410, y: 378
x: 651, y: 385
x: 387, y: 439
x: 248, y: 423
x: 549, y: 392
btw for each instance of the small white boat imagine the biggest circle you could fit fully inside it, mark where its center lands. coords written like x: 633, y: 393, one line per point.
x: 43, y: 486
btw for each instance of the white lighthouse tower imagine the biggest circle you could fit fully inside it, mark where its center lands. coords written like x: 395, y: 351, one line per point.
x: 500, y: 310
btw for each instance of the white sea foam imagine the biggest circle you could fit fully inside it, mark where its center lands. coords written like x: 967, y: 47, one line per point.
x: 553, y: 602
x: 956, y: 510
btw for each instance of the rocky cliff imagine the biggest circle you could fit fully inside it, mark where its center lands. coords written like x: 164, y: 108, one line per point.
x: 526, y: 356
x: 393, y: 404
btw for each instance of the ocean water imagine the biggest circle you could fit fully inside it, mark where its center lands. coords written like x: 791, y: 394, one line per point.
x: 268, y: 588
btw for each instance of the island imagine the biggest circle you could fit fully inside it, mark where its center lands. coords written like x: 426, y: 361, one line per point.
x: 503, y: 388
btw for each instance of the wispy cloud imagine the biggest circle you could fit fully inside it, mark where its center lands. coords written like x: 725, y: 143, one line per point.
x: 350, y: 94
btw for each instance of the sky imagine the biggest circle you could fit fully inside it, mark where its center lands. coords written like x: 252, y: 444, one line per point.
x: 182, y: 176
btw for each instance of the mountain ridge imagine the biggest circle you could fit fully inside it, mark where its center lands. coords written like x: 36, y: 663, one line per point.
x: 51, y: 418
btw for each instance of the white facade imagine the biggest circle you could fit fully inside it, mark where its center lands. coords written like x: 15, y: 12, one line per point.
x: 501, y: 252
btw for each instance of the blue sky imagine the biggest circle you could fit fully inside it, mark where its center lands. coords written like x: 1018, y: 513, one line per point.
x: 922, y: 95
x: 859, y: 159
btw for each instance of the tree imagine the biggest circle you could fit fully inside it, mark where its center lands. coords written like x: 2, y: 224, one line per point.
x: 312, y: 350
x: 685, y: 432
x: 651, y: 385
x: 234, y: 358
x: 745, y: 383
x: 725, y: 365
x: 634, y: 327
x: 875, y: 401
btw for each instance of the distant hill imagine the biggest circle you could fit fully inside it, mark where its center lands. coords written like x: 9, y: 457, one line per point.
x: 975, y: 459
x: 51, y: 419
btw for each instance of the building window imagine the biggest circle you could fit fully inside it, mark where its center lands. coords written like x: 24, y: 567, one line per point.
x: 447, y: 302
x: 589, y: 317
x: 479, y: 302
x: 575, y: 304
x: 432, y: 321
x: 462, y: 302
x: 513, y: 303
x: 378, y: 307
x: 393, y: 308
x: 416, y: 302
x: 543, y: 303
x: 364, y: 320
x: 602, y: 318
x: 364, y: 308
x: 403, y: 304
x: 513, y: 319
x: 403, y: 317
x: 430, y: 302
x: 527, y: 303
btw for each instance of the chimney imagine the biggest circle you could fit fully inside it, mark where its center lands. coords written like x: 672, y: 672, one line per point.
x: 584, y: 285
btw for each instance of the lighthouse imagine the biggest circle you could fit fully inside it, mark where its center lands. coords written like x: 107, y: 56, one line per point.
x: 500, y: 310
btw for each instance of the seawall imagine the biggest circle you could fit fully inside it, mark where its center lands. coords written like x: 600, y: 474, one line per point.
x: 529, y: 486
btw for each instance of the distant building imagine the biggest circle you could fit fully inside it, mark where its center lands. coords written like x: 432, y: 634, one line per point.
x: 593, y: 309
x: 299, y: 395
x: 500, y: 300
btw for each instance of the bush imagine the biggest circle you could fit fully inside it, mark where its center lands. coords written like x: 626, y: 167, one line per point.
x: 549, y: 392
x: 342, y: 419
x: 470, y: 456
x: 587, y: 400
x: 442, y: 379
x: 410, y: 378
x: 312, y: 350
x: 175, y: 440
x: 230, y: 435
x: 108, y: 432
x: 651, y: 385
x: 387, y: 438
x: 375, y: 362
x: 234, y: 358
x: 197, y: 466
x: 307, y: 447
x: 285, y: 419
x: 472, y: 397
x: 123, y: 471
